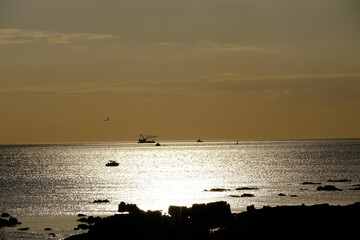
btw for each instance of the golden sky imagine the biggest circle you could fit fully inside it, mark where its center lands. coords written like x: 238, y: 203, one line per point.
x: 210, y: 69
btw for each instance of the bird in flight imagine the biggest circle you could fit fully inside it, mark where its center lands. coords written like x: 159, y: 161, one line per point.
x: 108, y: 118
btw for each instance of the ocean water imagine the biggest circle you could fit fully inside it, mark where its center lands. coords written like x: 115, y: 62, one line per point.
x: 65, y: 179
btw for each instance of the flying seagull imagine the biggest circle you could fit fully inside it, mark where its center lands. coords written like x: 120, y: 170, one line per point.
x: 108, y: 118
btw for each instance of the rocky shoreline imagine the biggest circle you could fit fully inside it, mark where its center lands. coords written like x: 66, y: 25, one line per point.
x: 216, y: 222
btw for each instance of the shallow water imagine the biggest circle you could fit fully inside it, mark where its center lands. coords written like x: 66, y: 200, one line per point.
x: 64, y: 179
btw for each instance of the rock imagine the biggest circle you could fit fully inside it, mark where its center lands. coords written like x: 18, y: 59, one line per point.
x: 5, y: 215
x: 101, y: 201
x: 81, y: 215
x: 13, y: 221
x: 339, y: 180
x: 234, y: 196
x: 310, y: 183
x: 179, y: 213
x: 247, y: 195
x: 4, y: 223
x: 47, y: 229
x: 217, y: 190
x: 52, y: 234
x: 282, y: 222
x: 84, y: 219
x: 281, y: 195
x: 83, y: 226
x: 89, y: 220
x: 293, y: 195
x: 356, y: 188
x: 246, y: 188
x: 250, y: 208
x: 328, y: 188
x: 23, y: 229
x: 131, y: 208
x: 211, y: 213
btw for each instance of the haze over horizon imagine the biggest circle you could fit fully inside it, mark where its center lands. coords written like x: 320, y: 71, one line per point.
x: 210, y: 69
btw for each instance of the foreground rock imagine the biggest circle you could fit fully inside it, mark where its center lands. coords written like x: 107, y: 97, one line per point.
x: 7, y: 220
x: 214, y: 221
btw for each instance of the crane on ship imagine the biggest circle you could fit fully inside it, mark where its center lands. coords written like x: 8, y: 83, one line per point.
x: 147, y: 138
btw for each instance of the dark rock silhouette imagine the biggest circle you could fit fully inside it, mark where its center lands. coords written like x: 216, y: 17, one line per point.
x: 339, y: 180
x: 247, y: 195
x: 328, y: 188
x: 101, y: 201
x: 281, y: 195
x: 214, y: 221
x: 5, y: 215
x: 10, y: 222
x: 131, y: 208
x: 217, y: 190
x: 23, y: 229
x: 82, y: 227
x: 247, y: 188
x: 89, y: 220
x: 310, y: 183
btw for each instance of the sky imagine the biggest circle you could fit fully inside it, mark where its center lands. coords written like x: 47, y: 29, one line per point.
x: 182, y: 70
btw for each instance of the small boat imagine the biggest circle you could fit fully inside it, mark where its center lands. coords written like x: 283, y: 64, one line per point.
x: 112, y: 164
x: 147, y: 138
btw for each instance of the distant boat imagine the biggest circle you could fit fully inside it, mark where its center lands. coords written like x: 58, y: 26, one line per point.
x: 147, y: 138
x: 199, y: 140
x: 112, y: 164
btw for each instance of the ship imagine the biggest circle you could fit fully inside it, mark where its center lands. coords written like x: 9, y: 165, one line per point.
x: 147, y: 138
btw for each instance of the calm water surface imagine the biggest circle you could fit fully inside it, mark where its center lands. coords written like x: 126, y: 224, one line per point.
x: 64, y: 179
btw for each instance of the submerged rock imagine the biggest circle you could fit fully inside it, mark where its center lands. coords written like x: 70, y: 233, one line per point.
x: 101, y: 201
x: 328, y: 188
x: 247, y: 195
x: 310, y: 183
x: 339, y: 180
x: 23, y: 229
x: 247, y: 188
x: 217, y: 190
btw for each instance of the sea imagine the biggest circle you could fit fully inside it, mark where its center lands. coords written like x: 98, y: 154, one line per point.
x: 57, y: 180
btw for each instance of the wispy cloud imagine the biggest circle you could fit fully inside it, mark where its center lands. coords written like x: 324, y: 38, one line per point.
x: 22, y: 36
x: 216, y: 46
x: 288, y: 85
x: 341, y: 85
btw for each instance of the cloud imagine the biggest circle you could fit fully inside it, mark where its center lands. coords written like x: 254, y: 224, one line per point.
x: 21, y: 36
x: 287, y: 86
x: 315, y: 86
x: 229, y: 47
